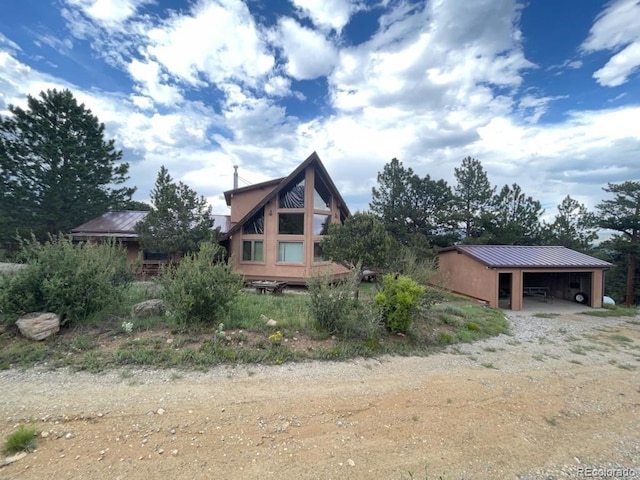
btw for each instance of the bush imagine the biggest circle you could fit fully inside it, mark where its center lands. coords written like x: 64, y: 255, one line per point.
x: 200, y: 290
x: 76, y: 281
x: 22, y: 440
x: 330, y: 303
x: 399, y: 300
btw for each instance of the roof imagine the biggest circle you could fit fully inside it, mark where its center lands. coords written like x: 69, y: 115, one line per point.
x: 269, y: 183
x: 118, y: 223
x: 122, y: 224
x: 508, y: 256
x: 283, y: 183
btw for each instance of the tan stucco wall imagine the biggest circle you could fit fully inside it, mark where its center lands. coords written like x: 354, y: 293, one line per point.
x: 466, y: 276
x: 270, y: 268
x: 243, y: 202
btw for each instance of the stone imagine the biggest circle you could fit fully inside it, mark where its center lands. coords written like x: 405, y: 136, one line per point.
x: 15, y: 458
x: 351, y: 463
x: 272, y: 323
x: 160, y: 411
x: 39, y: 325
x: 148, y: 308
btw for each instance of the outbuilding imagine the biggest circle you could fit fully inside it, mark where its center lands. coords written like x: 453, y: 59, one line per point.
x: 503, y: 275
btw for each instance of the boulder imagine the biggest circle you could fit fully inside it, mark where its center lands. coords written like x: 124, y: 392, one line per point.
x: 148, y: 308
x: 272, y: 323
x: 39, y: 325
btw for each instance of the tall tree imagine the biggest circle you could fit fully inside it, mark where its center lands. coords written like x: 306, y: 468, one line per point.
x: 473, y: 194
x: 408, y: 205
x: 56, y: 168
x: 178, y: 221
x: 573, y: 227
x: 360, y: 242
x: 622, y: 214
x: 514, y: 218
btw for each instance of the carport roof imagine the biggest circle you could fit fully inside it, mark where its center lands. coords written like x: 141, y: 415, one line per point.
x: 511, y: 256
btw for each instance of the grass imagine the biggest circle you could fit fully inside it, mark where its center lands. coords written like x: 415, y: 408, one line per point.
x: 103, y: 344
x: 613, y: 311
x: 22, y: 440
x: 546, y: 315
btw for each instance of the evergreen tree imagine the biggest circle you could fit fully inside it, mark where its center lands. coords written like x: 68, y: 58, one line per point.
x: 573, y: 227
x: 360, y: 242
x: 514, y: 218
x: 473, y: 194
x: 622, y: 214
x: 178, y: 221
x: 56, y: 168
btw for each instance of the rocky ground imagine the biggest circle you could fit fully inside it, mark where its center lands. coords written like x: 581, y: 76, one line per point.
x: 554, y: 399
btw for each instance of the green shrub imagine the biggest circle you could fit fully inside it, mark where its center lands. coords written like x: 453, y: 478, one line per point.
x: 200, y: 290
x: 22, y: 440
x: 76, y: 281
x: 399, y: 300
x: 331, y: 303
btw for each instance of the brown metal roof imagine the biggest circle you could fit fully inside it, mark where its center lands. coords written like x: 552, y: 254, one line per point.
x: 123, y: 224
x: 120, y: 222
x: 508, y: 256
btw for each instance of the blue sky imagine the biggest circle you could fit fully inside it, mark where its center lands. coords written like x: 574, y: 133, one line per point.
x: 544, y: 93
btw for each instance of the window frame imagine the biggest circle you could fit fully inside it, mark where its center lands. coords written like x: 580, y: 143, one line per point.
x: 253, y: 251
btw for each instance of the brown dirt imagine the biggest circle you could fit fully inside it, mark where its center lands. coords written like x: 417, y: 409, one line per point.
x: 543, y: 410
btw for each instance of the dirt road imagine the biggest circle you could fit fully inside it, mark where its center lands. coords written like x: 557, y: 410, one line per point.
x: 560, y: 397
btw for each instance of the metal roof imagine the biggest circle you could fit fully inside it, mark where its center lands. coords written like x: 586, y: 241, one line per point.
x: 123, y: 224
x: 120, y: 222
x: 505, y: 256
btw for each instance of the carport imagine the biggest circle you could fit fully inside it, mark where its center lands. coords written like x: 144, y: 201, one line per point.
x: 504, y: 275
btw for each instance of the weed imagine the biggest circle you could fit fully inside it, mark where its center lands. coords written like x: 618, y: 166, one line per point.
x: 613, y: 311
x: 551, y: 421
x: 546, y: 315
x: 538, y: 357
x: 578, y: 350
x: 414, y: 417
x: 626, y: 366
x: 22, y: 440
x: 490, y: 349
x: 621, y: 339
x: 489, y: 365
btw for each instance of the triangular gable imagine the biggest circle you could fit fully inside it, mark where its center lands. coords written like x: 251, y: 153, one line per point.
x: 312, y: 159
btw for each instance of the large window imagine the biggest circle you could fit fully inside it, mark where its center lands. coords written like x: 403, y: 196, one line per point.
x: 321, y: 224
x: 293, y: 196
x: 321, y: 195
x: 252, y: 251
x: 291, y: 224
x: 255, y: 225
x: 291, y: 252
x: 318, y: 254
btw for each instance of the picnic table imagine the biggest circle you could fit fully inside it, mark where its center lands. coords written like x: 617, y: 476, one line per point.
x: 264, y: 286
x: 542, y: 292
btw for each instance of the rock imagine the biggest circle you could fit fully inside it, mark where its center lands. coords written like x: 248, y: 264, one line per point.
x: 272, y: 323
x: 15, y: 458
x: 351, y: 463
x: 148, y: 308
x: 160, y: 411
x: 39, y: 325
x: 174, y: 452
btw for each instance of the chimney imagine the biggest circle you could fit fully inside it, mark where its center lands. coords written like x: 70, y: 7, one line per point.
x: 235, y: 177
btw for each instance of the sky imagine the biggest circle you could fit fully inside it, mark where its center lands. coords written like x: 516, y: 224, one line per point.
x: 544, y: 93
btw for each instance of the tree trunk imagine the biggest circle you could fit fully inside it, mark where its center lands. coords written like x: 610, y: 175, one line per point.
x: 631, y: 280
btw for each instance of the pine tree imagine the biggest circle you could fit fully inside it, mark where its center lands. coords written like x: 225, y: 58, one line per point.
x: 56, y: 168
x: 473, y: 194
x: 178, y: 221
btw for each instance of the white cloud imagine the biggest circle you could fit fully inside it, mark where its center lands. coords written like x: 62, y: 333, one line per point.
x: 328, y: 15
x: 309, y: 54
x: 616, y: 28
x: 148, y: 77
x: 216, y: 41
x: 110, y: 14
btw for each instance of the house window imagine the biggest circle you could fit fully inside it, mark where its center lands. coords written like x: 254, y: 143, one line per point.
x: 155, y: 256
x: 318, y: 254
x: 255, y: 225
x: 293, y: 196
x: 321, y: 224
x: 252, y: 251
x: 291, y: 252
x: 321, y: 195
x: 291, y: 224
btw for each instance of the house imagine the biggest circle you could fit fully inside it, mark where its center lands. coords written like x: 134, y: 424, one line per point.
x: 276, y: 226
x: 121, y: 226
x: 273, y: 232
x: 503, y: 275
